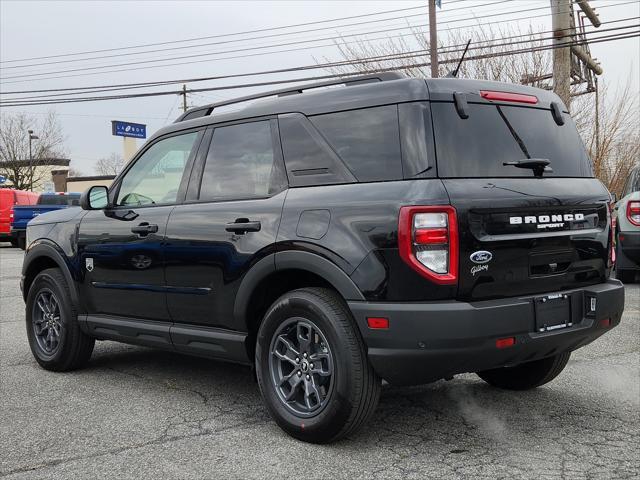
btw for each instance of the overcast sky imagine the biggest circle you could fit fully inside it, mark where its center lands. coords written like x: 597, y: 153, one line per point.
x: 36, y: 29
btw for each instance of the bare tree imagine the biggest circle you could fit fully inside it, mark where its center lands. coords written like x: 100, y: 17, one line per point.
x: 110, y: 165
x: 74, y: 172
x: 16, y: 164
x: 611, y: 137
x: 614, y: 147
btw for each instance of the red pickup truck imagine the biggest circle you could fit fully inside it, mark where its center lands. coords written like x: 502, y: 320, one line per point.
x: 8, y: 199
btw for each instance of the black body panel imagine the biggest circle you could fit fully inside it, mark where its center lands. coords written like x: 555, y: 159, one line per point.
x: 527, y: 259
x: 429, y: 341
x: 197, y: 274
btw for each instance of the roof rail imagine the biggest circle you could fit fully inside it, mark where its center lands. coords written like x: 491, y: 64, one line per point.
x: 205, y: 110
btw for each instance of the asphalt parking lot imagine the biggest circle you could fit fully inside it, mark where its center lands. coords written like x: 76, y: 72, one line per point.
x: 139, y: 413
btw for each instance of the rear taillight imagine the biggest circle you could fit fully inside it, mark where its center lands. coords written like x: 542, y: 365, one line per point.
x: 11, y: 216
x: 428, y: 242
x: 612, y: 238
x: 633, y: 212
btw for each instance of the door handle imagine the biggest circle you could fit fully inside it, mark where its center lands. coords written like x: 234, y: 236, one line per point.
x: 243, y: 225
x: 144, y: 229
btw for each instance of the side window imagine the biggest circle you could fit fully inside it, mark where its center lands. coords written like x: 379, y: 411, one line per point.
x: 241, y: 163
x: 156, y: 175
x: 310, y: 161
x: 367, y: 140
x: 416, y: 139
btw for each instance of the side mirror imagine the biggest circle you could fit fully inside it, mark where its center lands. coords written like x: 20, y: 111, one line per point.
x: 614, y: 197
x: 95, y: 198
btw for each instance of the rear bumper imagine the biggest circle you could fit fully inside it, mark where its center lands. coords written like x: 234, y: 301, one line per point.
x: 429, y: 341
x: 628, y: 250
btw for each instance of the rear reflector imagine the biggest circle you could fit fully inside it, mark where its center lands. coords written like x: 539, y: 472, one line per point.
x: 509, y: 97
x: 505, y: 342
x: 605, y: 322
x: 378, y: 322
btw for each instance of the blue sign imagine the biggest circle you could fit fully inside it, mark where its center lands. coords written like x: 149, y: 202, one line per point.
x: 3, y: 179
x: 127, y: 129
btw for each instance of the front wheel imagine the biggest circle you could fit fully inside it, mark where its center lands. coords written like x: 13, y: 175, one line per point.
x: 312, y: 367
x: 526, y: 375
x: 55, y: 338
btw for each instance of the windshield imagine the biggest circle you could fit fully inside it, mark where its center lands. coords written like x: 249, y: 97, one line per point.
x: 494, y: 134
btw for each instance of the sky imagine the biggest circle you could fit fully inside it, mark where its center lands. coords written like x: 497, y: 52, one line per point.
x: 46, y: 28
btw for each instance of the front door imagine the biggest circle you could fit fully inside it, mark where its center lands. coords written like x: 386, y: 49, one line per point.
x: 120, y: 248
x: 228, y: 223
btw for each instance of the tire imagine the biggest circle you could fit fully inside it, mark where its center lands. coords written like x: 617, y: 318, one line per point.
x: 526, y: 375
x: 22, y: 243
x: 342, y: 390
x: 14, y: 242
x: 64, y: 346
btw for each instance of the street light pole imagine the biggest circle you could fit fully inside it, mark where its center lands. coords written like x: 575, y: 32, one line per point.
x: 31, y: 138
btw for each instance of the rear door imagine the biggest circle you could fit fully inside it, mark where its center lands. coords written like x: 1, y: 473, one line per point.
x: 520, y: 234
x: 228, y: 223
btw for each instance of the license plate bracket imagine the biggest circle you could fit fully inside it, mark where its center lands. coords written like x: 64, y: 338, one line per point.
x: 553, y: 312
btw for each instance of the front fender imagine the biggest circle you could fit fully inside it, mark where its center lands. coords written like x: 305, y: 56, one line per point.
x: 43, y: 253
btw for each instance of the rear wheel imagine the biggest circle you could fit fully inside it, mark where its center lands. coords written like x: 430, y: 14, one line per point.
x: 55, y: 338
x: 22, y: 243
x: 14, y: 242
x: 312, y: 367
x: 526, y: 375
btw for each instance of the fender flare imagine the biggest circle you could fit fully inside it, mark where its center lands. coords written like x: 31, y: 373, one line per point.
x: 290, y: 260
x: 46, y: 248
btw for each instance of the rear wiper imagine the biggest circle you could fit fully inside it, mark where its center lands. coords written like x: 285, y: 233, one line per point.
x: 538, y: 165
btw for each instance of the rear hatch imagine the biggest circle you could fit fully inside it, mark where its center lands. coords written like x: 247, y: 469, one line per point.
x: 521, y: 230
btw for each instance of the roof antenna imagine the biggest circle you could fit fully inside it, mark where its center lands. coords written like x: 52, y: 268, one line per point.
x: 454, y: 73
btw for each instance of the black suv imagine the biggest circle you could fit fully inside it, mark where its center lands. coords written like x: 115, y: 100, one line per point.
x: 389, y: 228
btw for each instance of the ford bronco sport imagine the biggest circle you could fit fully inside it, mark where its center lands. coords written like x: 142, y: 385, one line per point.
x: 392, y: 228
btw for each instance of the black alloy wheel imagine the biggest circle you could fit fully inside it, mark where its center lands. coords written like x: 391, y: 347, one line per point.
x: 301, y: 366
x: 45, y: 321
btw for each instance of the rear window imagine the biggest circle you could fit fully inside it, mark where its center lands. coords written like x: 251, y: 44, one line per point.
x: 70, y: 200
x: 479, y: 145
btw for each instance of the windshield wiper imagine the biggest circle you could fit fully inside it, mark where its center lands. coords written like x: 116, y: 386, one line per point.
x: 538, y: 165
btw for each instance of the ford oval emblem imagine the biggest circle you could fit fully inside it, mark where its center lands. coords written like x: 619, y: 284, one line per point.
x: 481, y: 256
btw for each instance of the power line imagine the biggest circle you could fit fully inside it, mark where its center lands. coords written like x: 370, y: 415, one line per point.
x: 243, y: 49
x: 324, y: 77
x: 243, y: 56
x: 247, y: 39
x: 265, y: 53
x: 130, y: 47
x: 485, y: 44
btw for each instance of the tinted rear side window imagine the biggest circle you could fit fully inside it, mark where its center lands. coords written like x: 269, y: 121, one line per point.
x: 479, y: 145
x: 309, y: 160
x: 367, y: 141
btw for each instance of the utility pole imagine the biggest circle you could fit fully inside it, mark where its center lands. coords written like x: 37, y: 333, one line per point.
x: 184, y: 97
x: 561, y: 11
x: 433, y: 39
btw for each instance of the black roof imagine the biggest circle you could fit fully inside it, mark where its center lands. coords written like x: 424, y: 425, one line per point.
x: 359, y: 92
